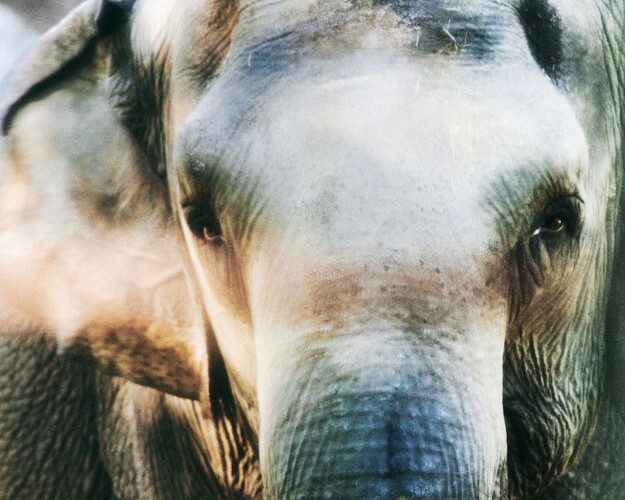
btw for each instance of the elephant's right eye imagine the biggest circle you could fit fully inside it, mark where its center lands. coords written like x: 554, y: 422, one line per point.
x: 202, y: 223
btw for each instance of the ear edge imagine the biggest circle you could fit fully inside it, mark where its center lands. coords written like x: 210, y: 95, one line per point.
x: 58, y: 50
x: 144, y: 353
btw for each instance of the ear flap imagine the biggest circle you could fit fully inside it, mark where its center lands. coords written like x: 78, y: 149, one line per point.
x: 59, y: 48
x: 88, y: 249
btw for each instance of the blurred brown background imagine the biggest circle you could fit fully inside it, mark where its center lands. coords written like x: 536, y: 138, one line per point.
x: 41, y: 14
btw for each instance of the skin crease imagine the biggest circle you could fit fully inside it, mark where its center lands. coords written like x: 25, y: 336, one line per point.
x: 374, y: 246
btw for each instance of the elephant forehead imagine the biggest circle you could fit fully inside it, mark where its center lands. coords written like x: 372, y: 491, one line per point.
x: 399, y: 157
x: 476, y: 29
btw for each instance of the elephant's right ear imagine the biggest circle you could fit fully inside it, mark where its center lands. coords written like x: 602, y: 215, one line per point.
x: 59, y: 50
x: 88, y: 249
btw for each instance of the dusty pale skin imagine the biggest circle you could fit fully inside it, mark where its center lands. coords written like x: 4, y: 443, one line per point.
x: 315, y: 249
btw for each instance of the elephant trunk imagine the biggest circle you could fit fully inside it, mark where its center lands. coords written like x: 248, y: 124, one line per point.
x: 378, y: 416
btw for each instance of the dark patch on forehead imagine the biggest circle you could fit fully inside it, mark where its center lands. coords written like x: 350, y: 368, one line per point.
x: 543, y: 30
x: 214, y: 34
x: 470, y: 30
x: 140, y: 85
x: 137, y: 92
x: 445, y: 27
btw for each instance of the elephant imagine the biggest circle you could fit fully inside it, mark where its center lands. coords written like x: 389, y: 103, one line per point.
x: 316, y: 249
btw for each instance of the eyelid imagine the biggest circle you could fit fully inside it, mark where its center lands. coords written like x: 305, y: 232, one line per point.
x: 567, y: 204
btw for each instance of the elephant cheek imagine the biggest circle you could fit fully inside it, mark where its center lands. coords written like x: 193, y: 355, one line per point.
x: 404, y: 421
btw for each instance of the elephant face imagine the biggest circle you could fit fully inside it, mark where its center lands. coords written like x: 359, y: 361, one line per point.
x: 399, y: 221
x: 351, y: 241
x: 419, y: 238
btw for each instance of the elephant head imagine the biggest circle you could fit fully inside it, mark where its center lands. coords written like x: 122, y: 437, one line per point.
x: 397, y: 226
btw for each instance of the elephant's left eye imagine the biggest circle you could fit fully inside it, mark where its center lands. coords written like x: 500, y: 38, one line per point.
x: 556, y: 222
x: 551, y: 243
x: 560, y: 218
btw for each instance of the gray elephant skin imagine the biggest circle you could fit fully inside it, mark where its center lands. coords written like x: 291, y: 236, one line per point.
x: 315, y: 249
